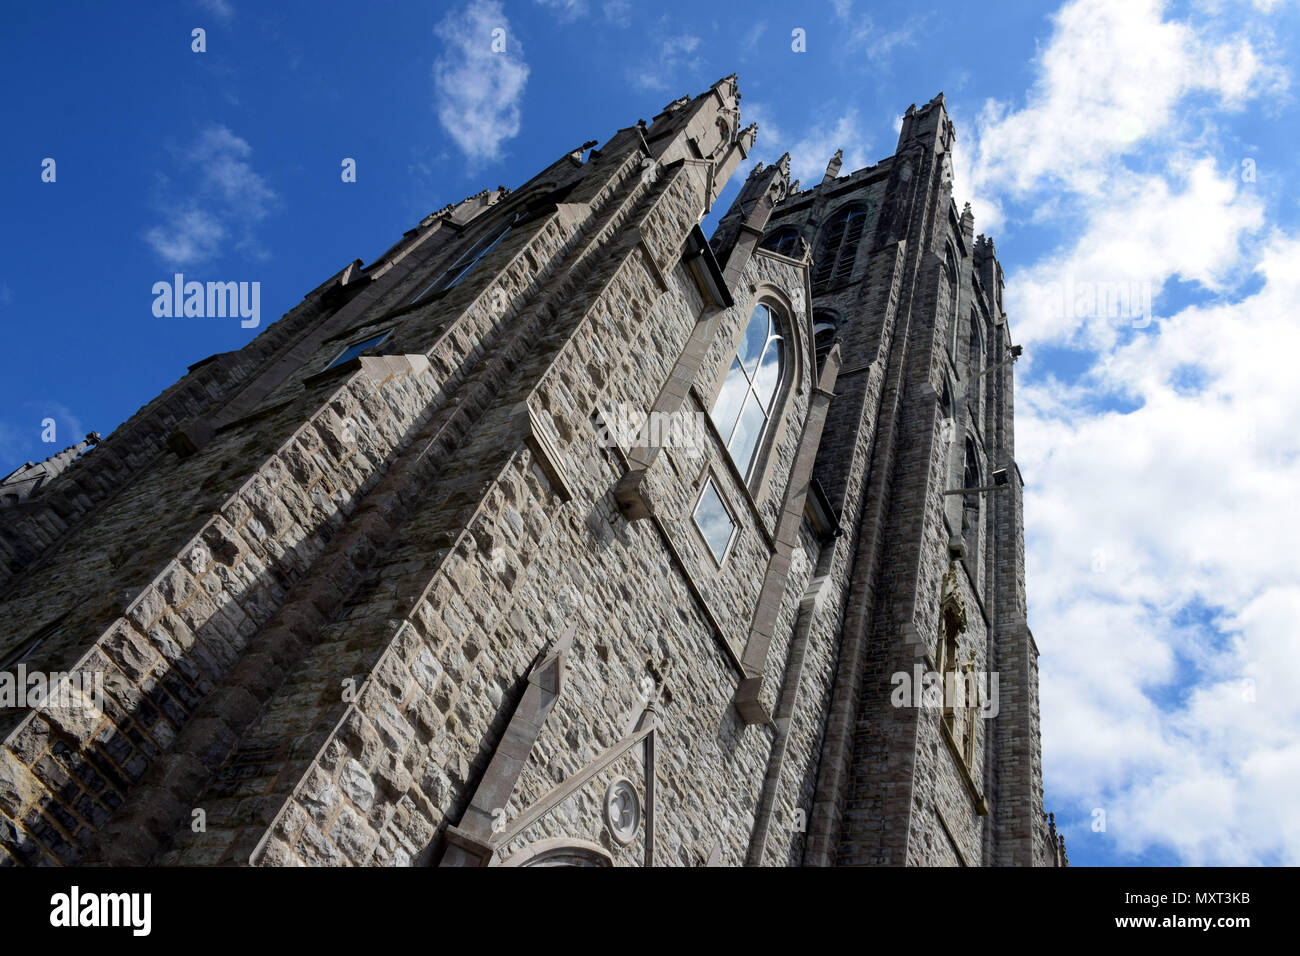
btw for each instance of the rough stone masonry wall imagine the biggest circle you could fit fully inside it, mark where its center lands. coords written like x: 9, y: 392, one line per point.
x: 858, y: 413
x: 634, y: 609
x: 63, y: 772
x: 407, y: 575
x: 879, y: 801
x: 127, y: 542
x: 944, y: 814
x: 127, y: 763
x: 292, y: 833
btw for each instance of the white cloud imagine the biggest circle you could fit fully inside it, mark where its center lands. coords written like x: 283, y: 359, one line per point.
x: 190, y: 235
x: 226, y: 199
x: 1191, y: 222
x: 478, y: 91
x: 749, y: 41
x: 1158, y: 480
x: 565, y: 9
x: 1159, y: 584
x: 863, y: 34
x: 675, y: 57
x: 1115, y: 75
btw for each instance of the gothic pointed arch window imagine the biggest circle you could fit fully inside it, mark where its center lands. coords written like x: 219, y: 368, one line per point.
x: 976, y: 343
x: 468, y: 260
x: 784, y: 241
x: 839, y: 247
x: 826, y: 326
x: 745, y: 406
x: 953, y: 275
x: 970, y: 516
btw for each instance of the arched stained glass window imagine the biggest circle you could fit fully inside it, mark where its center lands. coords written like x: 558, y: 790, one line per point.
x: 839, y: 247
x: 746, y: 403
x: 784, y: 241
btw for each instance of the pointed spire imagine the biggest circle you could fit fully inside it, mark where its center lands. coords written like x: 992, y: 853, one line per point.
x: 967, y: 224
x: 833, y: 167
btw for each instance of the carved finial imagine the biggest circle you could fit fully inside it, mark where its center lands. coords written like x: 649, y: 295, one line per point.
x: 834, y: 166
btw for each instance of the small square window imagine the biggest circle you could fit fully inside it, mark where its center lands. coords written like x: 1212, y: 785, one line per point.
x: 715, y: 522
x: 356, y: 349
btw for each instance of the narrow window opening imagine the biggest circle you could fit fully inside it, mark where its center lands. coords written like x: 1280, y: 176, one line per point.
x: 359, y: 348
x: 468, y: 261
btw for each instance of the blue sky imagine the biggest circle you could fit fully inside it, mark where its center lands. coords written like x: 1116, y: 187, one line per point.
x: 1135, y: 161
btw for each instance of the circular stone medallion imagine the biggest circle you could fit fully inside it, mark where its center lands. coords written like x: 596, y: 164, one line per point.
x: 622, y: 810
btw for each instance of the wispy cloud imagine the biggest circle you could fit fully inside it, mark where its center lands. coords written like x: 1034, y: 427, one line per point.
x: 216, y: 196
x: 220, y: 9
x: 749, y: 41
x: 479, y: 79
x: 862, y: 34
x: 565, y: 9
x: 811, y: 149
x: 674, y: 61
x: 618, y: 12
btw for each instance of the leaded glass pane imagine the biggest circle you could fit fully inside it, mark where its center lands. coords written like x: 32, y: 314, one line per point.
x: 756, y: 333
x: 714, y: 521
x: 748, y: 431
x: 769, y: 373
x: 732, y: 396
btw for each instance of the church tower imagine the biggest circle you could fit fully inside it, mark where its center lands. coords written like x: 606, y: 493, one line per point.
x: 560, y: 534
x: 919, y: 462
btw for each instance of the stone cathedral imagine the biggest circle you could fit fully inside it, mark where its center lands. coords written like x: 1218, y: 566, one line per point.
x: 560, y: 534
